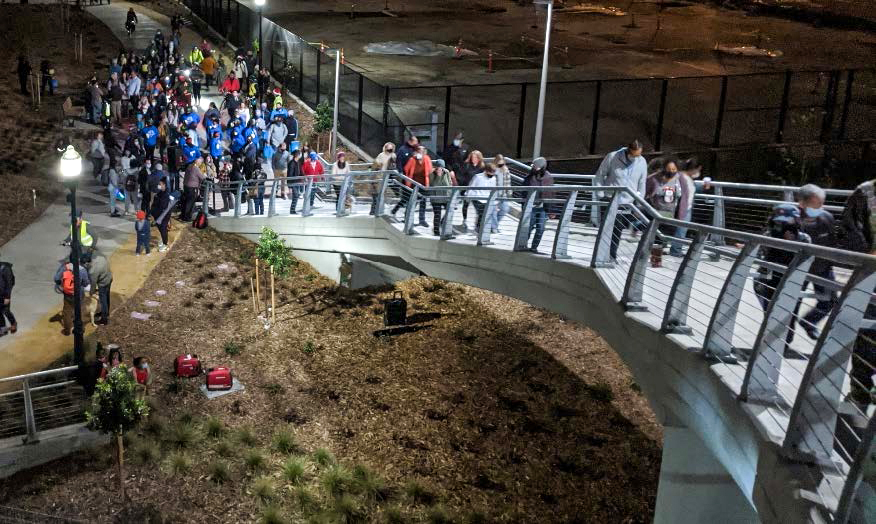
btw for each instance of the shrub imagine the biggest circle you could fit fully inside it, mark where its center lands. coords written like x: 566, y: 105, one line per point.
x: 273, y: 389
x: 476, y: 517
x: 600, y: 392
x: 263, y: 489
x: 308, y: 348
x: 294, y: 469
x: 178, y: 463
x: 246, y: 437
x: 394, y: 515
x: 418, y: 493
x: 439, y: 515
x: 155, y: 425
x: 214, y: 427
x: 273, y: 251
x: 337, y: 481
x: 219, y: 472
x: 304, y: 498
x: 177, y: 386
x: 146, y: 452
x: 186, y: 418
x: 232, y: 348
x: 272, y: 515
x: 254, y: 460
x: 346, y: 509
x: 323, y: 457
x: 369, y: 484
x: 225, y: 448
x: 182, y: 435
x: 284, y: 442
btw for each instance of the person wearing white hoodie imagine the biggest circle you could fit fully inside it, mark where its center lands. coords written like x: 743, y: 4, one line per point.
x: 485, y: 179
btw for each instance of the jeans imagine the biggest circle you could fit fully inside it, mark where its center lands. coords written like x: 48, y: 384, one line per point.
x: 97, y: 163
x: 146, y: 199
x: 498, y: 214
x: 227, y: 199
x: 260, y: 200
x: 112, y: 198
x: 538, y: 221
x: 621, y: 221
x: 296, y: 189
x: 481, y: 211
x: 6, y: 313
x: 131, y: 200
x: 104, y: 295
x: 162, y: 228
x: 143, y: 242
x: 437, y: 221
x: 190, y: 196
x: 825, y: 301
x: 405, y: 200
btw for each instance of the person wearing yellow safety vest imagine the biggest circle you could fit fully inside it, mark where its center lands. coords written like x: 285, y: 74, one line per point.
x: 278, y: 99
x: 196, y: 56
x: 87, y: 240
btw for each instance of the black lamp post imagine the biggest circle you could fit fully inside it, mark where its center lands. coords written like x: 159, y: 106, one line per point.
x: 71, y: 168
x: 260, y: 4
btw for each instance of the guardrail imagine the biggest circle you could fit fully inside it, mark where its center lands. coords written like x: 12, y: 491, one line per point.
x: 40, y: 401
x: 804, y: 357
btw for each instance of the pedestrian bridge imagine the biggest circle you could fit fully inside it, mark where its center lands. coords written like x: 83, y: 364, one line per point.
x: 755, y: 431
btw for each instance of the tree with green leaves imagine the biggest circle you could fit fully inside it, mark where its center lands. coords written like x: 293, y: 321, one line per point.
x: 116, y: 408
x: 273, y: 251
x: 323, y: 120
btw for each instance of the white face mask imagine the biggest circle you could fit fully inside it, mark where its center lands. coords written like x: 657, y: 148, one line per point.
x: 457, y: 142
x: 419, y: 156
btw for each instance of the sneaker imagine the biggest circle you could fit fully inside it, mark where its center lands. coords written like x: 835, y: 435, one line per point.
x: 423, y: 224
x: 3, y: 331
x: 162, y: 248
x: 135, y: 254
x: 464, y: 226
x: 494, y: 231
x: 534, y: 250
x: 812, y: 332
x: 13, y: 328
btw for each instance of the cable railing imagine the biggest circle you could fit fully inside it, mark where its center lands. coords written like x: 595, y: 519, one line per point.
x: 36, y: 402
x: 780, y: 324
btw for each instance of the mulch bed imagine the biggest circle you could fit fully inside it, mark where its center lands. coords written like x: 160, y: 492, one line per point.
x: 494, y: 406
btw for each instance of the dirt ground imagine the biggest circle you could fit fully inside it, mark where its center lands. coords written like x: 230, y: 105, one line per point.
x: 28, y: 160
x: 482, y: 407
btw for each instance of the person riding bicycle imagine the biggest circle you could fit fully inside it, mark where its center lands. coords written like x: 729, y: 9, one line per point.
x: 131, y: 21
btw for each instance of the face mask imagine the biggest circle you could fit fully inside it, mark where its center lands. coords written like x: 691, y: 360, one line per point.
x: 457, y: 142
x: 419, y: 156
x: 811, y: 212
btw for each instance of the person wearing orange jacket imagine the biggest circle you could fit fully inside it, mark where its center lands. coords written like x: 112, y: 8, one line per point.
x: 208, y: 66
x: 417, y: 169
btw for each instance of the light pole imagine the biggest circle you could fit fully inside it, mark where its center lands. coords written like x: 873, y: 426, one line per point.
x: 260, y: 4
x: 71, y: 168
x: 539, y: 118
x: 337, y: 92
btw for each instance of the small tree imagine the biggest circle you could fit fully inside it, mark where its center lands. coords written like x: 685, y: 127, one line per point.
x: 274, y: 252
x: 116, y: 408
x: 323, y: 120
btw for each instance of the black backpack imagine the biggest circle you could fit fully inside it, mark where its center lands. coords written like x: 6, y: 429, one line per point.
x: 131, y: 182
x: 395, y: 310
x: 7, y: 276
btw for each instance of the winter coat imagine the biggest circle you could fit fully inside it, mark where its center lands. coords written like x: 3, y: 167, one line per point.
x: 313, y: 169
x: 619, y: 171
x: 142, y: 227
x: 412, y: 172
x: 193, y: 177
x: 385, y: 161
x: 481, y: 180
x: 280, y: 161
x: 6, y: 278
x: 859, y: 219
x: 535, y: 179
x: 99, y: 270
x: 467, y: 173
x: 277, y: 134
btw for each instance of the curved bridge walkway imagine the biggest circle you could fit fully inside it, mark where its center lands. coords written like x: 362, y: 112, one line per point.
x: 765, y: 420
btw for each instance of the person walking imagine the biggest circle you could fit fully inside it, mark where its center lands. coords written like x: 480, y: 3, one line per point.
x: 101, y: 278
x: 162, y: 204
x: 624, y: 167
x: 312, y: 167
x: 208, y: 66
x: 65, y: 284
x: 538, y: 176
x: 279, y: 166
x: 340, y: 169
x: 194, y: 177
x: 7, y: 282
x: 417, y: 171
x: 663, y: 191
x: 113, y: 184
x: 503, y: 179
x: 485, y: 179
x: 440, y: 182
x: 473, y: 165
x: 97, y: 154
x: 293, y: 173
x: 689, y: 171
x: 143, y: 229
x: 384, y: 161
x: 130, y: 177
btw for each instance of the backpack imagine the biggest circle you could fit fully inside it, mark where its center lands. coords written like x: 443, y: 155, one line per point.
x: 200, y: 221
x: 67, y: 282
x: 7, y: 276
x: 131, y: 182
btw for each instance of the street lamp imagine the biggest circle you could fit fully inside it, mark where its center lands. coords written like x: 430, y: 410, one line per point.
x: 71, y: 168
x: 539, y: 119
x: 260, y: 4
x: 334, y: 147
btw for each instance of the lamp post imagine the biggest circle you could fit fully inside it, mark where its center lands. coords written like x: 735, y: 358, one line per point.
x: 539, y: 119
x: 334, y: 147
x: 71, y: 168
x: 260, y: 4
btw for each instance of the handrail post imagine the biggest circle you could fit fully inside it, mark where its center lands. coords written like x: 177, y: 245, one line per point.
x: 272, y: 202
x: 523, y: 226
x: 306, y: 210
x: 812, y: 423
x: 447, y: 222
x: 207, y: 189
x: 561, y: 240
x: 762, y: 373
x: 410, y: 210
x: 237, y: 200
x: 29, y: 419
x: 718, y: 342
x: 864, y: 456
x: 602, y: 247
x: 484, y: 230
x: 341, y: 208
x: 380, y: 205
x: 675, y: 316
x: 718, y: 215
x: 635, y: 286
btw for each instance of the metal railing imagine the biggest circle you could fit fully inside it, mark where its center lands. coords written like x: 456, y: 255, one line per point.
x: 745, y: 301
x: 40, y: 401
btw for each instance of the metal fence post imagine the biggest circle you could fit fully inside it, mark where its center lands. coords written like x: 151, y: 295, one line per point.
x: 561, y: 240
x: 847, y: 101
x: 521, y: 118
x: 447, y: 95
x: 602, y: 247
x: 595, y: 124
x: 379, y: 206
x: 341, y: 208
x: 675, y: 315
x: 762, y: 373
x: 301, y: 46
x: 272, y: 202
x: 523, y: 226
x: 385, y: 110
x: 359, y: 113
x: 849, y: 501
x: 813, y: 421
x: 484, y: 230
x: 829, y: 107
x: 722, y: 105
x: 447, y: 222
x: 306, y: 206
x: 661, y: 113
x: 29, y: 419
x: 783, y: 110
x: 410, y: 210
x: 718, y: 342
x: 718, y: 214
x: 635, y: 285
x: 237, y: 199
x: 318, y: 70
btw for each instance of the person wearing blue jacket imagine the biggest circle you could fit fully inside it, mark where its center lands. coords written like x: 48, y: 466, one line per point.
x: 217, y: 148
x: 150, y: 138
x: 212, y: 125
x: 237, y: 140
x: 252, y: 131
x: 190, y: 151
x: 291, y: 126
x: 190, y: 118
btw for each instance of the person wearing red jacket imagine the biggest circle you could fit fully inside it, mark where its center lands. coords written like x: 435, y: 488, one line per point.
x: 417, y: 169
x: 230, y: 84
x: 312, y: 167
